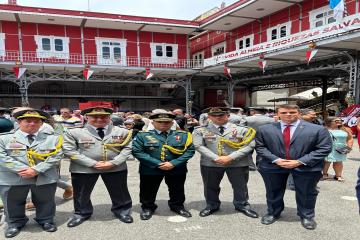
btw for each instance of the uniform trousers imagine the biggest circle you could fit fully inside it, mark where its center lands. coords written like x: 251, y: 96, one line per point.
x: 305, y: 191
x: 116, y: 185
x: 238, y: 177
x: 14, y: 199
x: 149, y: 186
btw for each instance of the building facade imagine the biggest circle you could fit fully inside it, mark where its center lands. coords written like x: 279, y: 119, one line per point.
x: 186, y: 58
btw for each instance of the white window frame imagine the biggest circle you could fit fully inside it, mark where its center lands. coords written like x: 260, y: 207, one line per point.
x: 2, y: 45
x: 111, y: 61
x: 313, y: 13
x: 237, y: 41
x: 278, y: 28
x: 164, y: 59
x: 217, y: 46
x: 52, y: 53
x: 197, y: 63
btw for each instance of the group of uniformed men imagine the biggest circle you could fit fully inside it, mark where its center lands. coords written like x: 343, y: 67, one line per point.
x: 29, y: 161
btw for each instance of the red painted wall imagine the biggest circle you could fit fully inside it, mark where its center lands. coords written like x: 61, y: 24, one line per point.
x: 288, y: 14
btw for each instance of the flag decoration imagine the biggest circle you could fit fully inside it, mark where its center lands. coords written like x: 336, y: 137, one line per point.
x: 262, y: 64
x: 19, y: 71
x: 87, y: 72
x: 339, y: 7
x: 310, y: 54
x: 227, y: 71
x: 148, y: 74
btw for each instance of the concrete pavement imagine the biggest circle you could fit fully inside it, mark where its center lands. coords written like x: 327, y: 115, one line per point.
x: 337, y: 213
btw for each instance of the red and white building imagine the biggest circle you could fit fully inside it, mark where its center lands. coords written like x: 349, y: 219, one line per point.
x: 186, y: 58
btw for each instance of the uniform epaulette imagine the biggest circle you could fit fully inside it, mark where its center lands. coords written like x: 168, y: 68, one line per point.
x: 200, y: 126
x: 6, y: 133
x: 181, y: 131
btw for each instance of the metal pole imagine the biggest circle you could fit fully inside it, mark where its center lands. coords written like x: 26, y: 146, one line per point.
x: 230, y: 86
x: 324, y: 92
x: 24, y: 91
x: 187, y: 96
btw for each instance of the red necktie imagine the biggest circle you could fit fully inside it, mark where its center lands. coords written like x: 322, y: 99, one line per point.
x: 286, y: 136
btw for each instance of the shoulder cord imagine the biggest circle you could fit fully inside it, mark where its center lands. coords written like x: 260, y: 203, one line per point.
x: 113, y: 146
x: 175, y: 150
x: 42, y: 156
x: 249, y: 136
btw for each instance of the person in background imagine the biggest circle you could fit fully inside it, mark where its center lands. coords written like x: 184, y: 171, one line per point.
x: 180, y: 118
x: 256, y: 119
x: 67, y: 120
x: 203, y: 119
x: 236, y: 116
x: 77, y: 114
x: 5, y: 124
x: 309, y: 115
x: 341, y: 137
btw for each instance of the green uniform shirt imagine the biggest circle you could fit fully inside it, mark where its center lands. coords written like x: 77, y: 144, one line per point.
x: 147, y: 149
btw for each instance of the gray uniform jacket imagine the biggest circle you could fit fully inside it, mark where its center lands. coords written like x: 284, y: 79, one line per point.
x: 13, y: 157
x: 85, y: 148
x: 258, y: 120
x: 206, y: 138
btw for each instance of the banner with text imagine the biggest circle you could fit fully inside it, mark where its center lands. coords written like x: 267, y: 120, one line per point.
x: 349, y: 23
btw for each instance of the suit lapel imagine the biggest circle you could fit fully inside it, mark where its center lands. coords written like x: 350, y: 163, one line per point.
x: 278, y: 132
x: 298, y: 131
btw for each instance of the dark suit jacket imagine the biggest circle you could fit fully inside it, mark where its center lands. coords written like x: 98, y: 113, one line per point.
x: 309, y: 144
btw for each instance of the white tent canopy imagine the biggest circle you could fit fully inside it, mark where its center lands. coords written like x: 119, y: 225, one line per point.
x: 313, y: 93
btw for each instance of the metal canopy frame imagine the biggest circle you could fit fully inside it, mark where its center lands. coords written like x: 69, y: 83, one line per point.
x: 32, y: 77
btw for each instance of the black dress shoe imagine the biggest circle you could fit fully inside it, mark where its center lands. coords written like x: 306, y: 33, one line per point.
x: 126, y: 218
x: 182, y: 212
x: 49, y: 227
x: 268, y: 219
x: 247, y: 212
x: 206, y: 212
x: 76, y: 221
x: 12, y: 232
x: 146, y: 214
x: 309, y: 224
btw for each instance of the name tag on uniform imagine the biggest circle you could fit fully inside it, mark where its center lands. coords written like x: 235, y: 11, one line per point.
x: 16, y: 149
x: 87, y: 142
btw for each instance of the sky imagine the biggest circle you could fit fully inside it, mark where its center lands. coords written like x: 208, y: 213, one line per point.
x: 174, y: 9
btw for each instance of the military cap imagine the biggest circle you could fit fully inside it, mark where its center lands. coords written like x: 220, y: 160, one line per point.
x: 31, y: 113
x: 98, y: 110
x: 216, y: 110
x: 258, y: 109
x: 162, y: 117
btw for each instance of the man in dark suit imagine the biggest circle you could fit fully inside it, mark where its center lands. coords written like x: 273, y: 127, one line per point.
x: 297, y: 147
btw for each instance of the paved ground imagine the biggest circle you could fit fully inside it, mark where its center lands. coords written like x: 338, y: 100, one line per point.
x: 337, y: 213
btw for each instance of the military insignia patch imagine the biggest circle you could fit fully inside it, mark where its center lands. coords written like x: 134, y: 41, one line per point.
x: 151, y: 139
x: 178, y: 138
